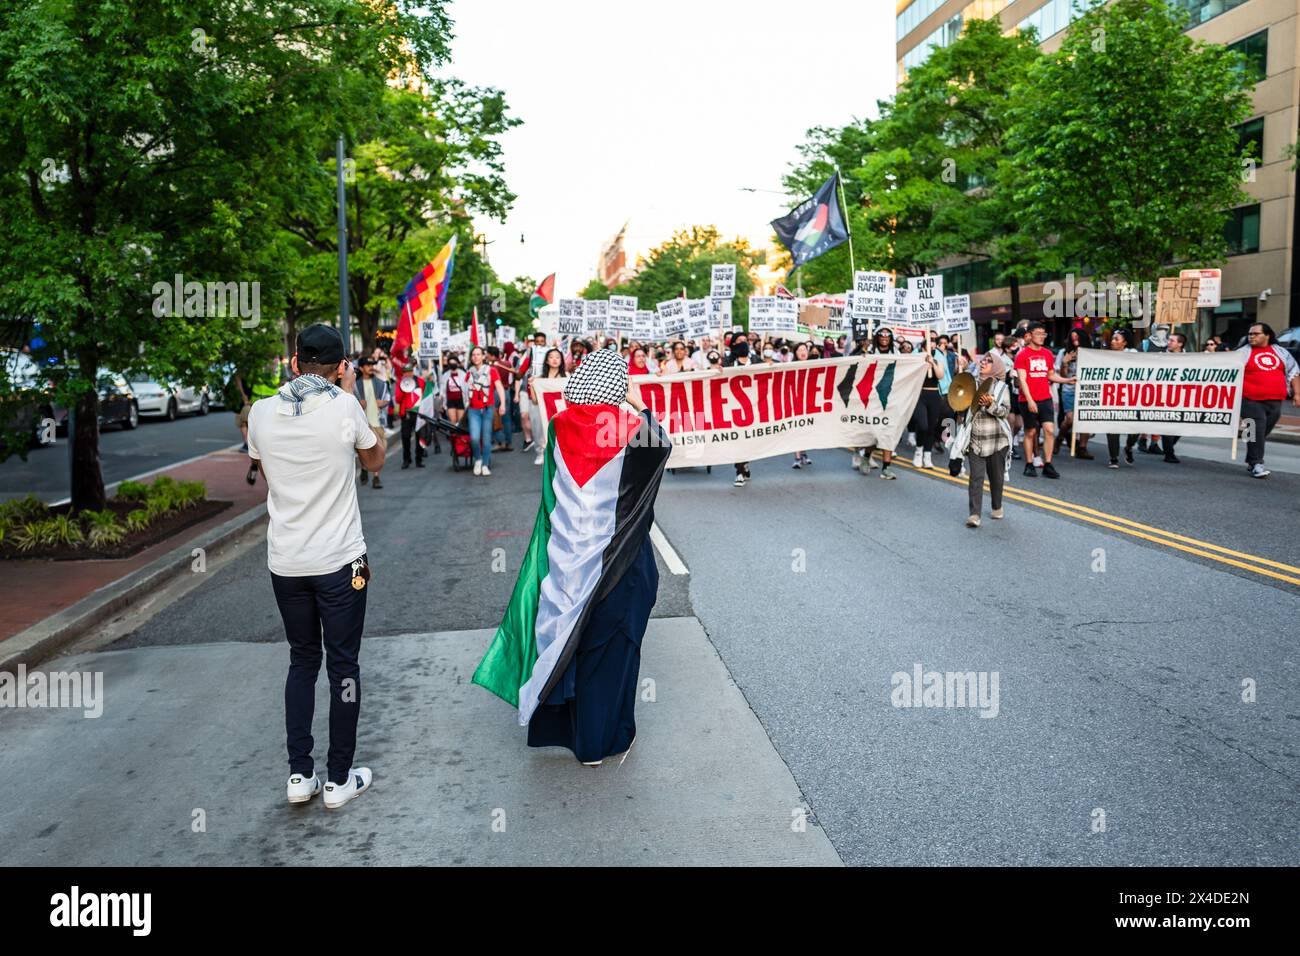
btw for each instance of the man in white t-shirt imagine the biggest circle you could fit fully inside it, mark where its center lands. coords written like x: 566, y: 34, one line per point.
x: 307, y: 437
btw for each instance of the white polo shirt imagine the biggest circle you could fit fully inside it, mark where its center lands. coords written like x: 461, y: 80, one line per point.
x: 310, y: 465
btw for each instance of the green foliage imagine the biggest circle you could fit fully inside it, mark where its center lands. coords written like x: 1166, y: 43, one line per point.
x: 104, y: 528
x: 189, y: 493
x: 31, y: 535
x: 132, y: 491
x: 27, y: 508
x: 595, y: 289
x: 1122, y: 144
x: 137, y: 519
x: 422, y: 160
x: 146, y: 140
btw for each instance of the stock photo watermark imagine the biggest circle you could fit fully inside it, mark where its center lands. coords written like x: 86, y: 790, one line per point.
x: 55, y: 690
x: 198, y: 300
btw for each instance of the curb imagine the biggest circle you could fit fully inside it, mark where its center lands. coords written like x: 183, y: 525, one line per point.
x: 47, y: 637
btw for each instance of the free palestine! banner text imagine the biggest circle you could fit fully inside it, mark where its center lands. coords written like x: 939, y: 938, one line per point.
x: 748, y: 412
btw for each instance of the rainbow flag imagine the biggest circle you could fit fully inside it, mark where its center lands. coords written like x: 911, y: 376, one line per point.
x: 424, y: 298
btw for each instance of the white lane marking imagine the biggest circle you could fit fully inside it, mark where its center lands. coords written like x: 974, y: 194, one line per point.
x: 666, y: 551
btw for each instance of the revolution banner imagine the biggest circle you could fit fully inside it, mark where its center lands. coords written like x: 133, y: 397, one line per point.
x: 747, y: 412
x: 1185, y: 393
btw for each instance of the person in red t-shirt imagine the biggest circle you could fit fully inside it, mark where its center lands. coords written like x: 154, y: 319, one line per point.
x: 410, y: 389
x: 485, y: 393
x: 1034, y: 368
x: 1270, y: 373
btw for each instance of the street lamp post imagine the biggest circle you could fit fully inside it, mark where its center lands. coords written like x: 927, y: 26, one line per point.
x: 345, y: 326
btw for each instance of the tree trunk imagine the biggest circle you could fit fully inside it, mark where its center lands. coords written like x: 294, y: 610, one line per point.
x: 87, y: 478
x: 1015, y: 301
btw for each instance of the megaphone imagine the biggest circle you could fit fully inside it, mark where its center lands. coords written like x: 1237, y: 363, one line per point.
x: 961, y: 392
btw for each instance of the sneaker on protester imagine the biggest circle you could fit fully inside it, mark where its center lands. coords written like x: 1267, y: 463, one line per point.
x: 538, y: 459
x: 1038, y: 461
x: 856, y: 462
x: 486, y: 471
x: 301, y: 789
x: 929, y: 460
x: 337, y: 794
x: 887, y: 473
x: 740, y: 481
x: 918, y: 459
x: 797, y: 464
x: 478, y: 466
x: 1258, y: 470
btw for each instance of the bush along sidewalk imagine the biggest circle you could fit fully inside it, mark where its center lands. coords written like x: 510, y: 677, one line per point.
x: 141, y: 515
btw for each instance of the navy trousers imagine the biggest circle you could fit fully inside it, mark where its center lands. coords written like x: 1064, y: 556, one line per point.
x: 591, y: 710
x: 322, y: 609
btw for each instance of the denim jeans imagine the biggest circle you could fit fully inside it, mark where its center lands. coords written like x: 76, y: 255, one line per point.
x: 480, y: 433
x: 505, y: 434
x: 322, y: 609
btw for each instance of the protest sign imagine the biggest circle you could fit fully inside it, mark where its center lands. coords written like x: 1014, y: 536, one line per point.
x: 622, y: 313
x: 722, y: 283
x: 1210, y: 293
x: 719, y: 314
x: 596, y: 314
x: 643, y: 326
x: 925, y: 295
x: 1176, y: 299
x: 956, y: 314
x: 744, y: 413
x: 762, y: 313
x: 871, y: 295
x: 899, y: 311
x: 698, y: 318
x: 571, y: 319
x: 672, y: 318
x: 1168, y: 393
x: 430, y: 340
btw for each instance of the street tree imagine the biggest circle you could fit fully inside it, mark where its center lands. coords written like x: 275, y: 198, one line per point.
x: 1123, y: 151
x: 146, y: 141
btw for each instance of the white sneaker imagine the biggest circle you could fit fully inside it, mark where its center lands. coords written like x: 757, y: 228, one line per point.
x: 1259, y: 471
x: 857, y: 461
x: 918, y: 460
x: 486, y: 471
x: 537, y: 460
x: 973, y: 521
x: 301, y: 789
x: 337, y: 794
x: 1038, y: 461
x: 740, y: 481
x: 478, y: 466
x: 929, y: 460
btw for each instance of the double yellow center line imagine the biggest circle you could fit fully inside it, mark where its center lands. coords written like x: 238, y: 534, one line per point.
x: 1179, y: 542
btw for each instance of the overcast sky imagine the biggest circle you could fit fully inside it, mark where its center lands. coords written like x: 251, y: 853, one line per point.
x: 659, y: 112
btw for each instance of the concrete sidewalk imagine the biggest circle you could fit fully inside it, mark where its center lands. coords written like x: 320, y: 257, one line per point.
x: 190, y: 732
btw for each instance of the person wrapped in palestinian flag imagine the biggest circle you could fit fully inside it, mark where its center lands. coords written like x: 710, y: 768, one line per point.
x: 568, y: 650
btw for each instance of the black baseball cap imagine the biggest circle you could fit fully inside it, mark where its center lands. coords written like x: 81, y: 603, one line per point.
x: 320, y: 344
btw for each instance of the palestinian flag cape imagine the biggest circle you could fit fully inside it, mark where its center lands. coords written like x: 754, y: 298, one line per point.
x: 602, y: 471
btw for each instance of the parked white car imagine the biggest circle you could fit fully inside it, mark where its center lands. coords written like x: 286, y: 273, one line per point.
x: 168, y: 401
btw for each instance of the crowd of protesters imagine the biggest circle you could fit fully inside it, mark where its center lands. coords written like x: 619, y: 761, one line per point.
x: 1027, y: 415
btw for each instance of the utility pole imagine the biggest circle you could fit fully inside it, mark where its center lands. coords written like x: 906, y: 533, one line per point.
x: 345, y: 326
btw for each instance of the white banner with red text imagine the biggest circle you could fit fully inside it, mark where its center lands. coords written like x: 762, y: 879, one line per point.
x: 748, y: 412
x: 1161, y: 393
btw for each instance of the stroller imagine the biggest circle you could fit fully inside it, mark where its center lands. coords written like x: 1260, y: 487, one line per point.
x: 458, y: 441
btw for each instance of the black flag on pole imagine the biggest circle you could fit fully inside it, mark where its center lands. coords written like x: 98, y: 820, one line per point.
x: 815, y: 226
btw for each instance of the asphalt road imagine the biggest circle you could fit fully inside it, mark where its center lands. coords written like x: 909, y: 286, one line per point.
x: 1120, y: 661
x: 123, y: 454
x: 1120, y: 684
